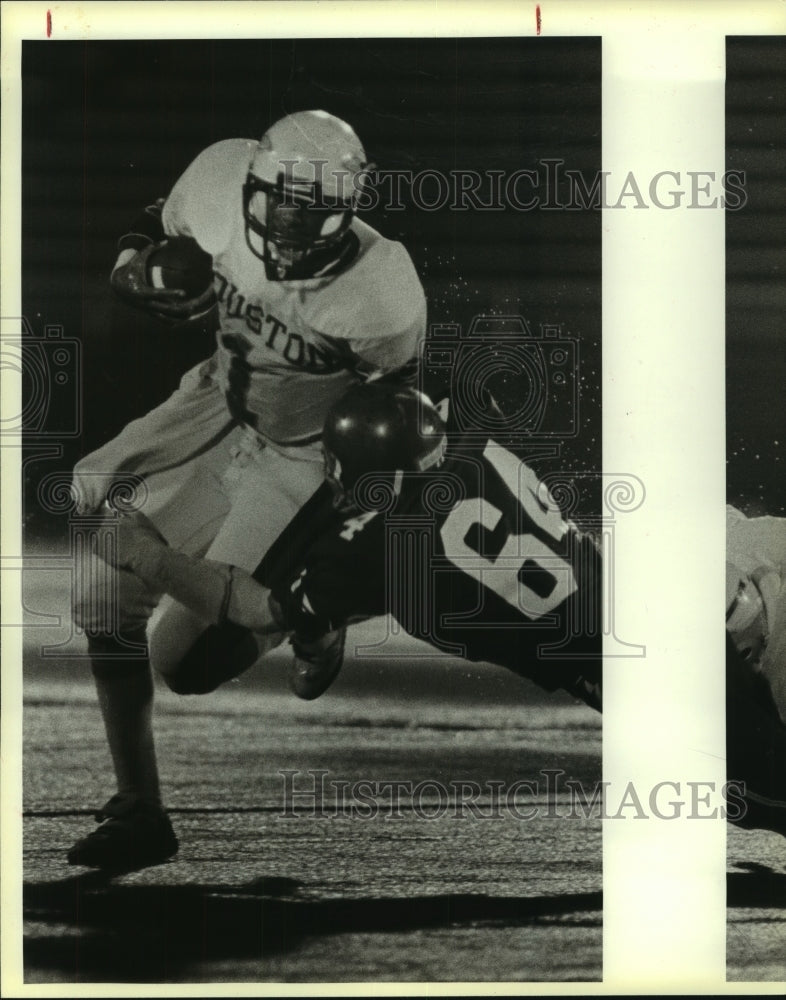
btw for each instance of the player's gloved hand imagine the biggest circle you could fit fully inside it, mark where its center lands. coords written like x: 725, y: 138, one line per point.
x: 749, y: 596
x: 130, y: 281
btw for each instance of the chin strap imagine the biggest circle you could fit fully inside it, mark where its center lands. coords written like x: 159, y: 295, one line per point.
x: 321, y: 264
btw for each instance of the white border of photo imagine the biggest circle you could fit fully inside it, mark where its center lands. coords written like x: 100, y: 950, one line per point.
x: 664, y: 422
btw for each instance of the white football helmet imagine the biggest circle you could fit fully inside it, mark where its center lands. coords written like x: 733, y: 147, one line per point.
x: 301, y: 193
x: 746, y: 614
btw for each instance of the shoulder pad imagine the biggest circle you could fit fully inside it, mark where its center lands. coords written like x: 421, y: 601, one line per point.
x: 378, y: 295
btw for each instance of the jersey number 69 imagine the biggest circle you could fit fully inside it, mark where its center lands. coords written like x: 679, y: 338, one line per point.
x: 502, y: 574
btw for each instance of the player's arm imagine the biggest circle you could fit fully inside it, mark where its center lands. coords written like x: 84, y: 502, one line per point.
x: 341, y: 580
x: 129, y: 274
x: 195, y: 207
x: 335, y: 587
x: 312, y: 605
x: 214, y: 591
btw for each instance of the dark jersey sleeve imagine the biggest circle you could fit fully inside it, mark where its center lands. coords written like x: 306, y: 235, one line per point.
x: 340, y: 579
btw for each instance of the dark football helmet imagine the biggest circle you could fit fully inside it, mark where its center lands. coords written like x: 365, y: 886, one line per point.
x: 380, y: 431
x: 300, y: 194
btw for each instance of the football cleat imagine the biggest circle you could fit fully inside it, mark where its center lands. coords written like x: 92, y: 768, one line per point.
x: 134, y: 833
x: 316, y: 664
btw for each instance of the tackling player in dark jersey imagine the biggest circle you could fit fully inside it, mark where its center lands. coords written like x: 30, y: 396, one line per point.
x: 462, y: 545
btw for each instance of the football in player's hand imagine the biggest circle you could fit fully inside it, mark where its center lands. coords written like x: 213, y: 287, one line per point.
x: 180, y: 262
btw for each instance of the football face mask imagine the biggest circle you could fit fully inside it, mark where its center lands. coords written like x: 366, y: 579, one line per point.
x: 301, y: 191
x: 293, y: 229
x: 746, y: 614
x: 343, y: 499
x: 380, y: 486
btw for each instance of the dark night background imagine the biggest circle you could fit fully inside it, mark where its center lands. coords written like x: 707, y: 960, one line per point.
x: 109, y: 126
x: 756, y: 276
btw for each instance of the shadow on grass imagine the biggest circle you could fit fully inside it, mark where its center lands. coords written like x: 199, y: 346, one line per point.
x: 89, y: 929
x: 758, y: 886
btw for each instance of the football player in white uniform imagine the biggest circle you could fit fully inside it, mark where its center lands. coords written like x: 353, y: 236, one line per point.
x: 756, y: 598
x: 310, y: 301
x: 756, y: 665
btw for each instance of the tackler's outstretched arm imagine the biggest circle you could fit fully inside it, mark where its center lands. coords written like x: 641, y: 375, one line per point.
x: 214, y: 591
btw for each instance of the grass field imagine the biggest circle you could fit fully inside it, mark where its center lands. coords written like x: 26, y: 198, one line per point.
x: 426, y: 889
x: 441, y: 881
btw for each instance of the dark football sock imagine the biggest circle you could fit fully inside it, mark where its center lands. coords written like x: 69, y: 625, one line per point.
x: 219, y: 654
x: 125, y: 694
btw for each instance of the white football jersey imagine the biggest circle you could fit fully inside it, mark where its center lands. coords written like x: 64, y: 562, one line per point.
x: 756, y: 547
x: 288, y: 349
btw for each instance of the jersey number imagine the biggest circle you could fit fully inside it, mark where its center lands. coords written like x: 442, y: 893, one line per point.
x: 238, y: 376
x: 502, y: 575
